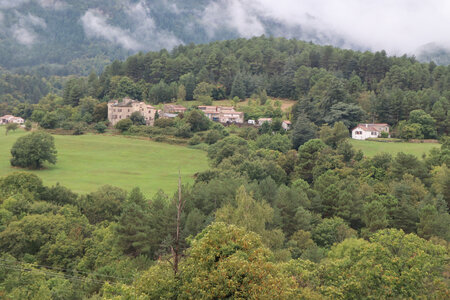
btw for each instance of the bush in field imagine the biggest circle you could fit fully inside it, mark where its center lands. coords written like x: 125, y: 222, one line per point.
x: 124, y: 125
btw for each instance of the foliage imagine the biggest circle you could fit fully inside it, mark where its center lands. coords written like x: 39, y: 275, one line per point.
x: 302, y: 132
x: 123, y: 125
x: 11, y: 127
x: 32, y: 150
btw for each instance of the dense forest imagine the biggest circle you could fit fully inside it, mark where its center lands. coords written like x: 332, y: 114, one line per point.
x: 264, y: 222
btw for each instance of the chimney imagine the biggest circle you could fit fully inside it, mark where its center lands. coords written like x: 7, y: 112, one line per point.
x: 367, y: 125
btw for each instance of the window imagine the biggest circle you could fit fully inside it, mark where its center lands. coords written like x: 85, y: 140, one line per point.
x: 358, y: 132
x: 374, y: 133
x: 128, y: 110
x: 119, y: 110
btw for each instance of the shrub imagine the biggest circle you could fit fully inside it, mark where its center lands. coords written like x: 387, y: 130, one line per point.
x: 195, y: 140
x: 79, y: 129
x: 163, y: 123
x: 100, y: 127
x: 28, y: 125
x: 184, y: 131
x: 124, y: 125
x: 213, y: 136
x: 11, y: 126
x: 67, y: 125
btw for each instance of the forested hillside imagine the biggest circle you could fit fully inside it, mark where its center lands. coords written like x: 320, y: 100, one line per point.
x: 263, y: 221
x: 329, y: 84
x: 62, y: 37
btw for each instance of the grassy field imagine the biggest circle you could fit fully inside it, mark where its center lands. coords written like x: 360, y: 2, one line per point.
x: 371, y: 148
x: 88, y: 161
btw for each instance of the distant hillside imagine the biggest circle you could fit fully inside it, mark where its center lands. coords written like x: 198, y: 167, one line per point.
x: 62, y: 37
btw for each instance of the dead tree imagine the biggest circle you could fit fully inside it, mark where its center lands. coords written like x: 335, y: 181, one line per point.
x: 176, y: 253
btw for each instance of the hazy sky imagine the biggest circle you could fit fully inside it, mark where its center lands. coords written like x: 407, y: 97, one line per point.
x: 397, y: 26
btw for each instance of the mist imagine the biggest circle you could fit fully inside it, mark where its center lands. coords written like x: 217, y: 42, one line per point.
x: 400, y: 26
x: 143, y: 34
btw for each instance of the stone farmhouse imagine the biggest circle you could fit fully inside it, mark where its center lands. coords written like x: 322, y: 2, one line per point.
x: 264, y: 120
x: 171, y: 111
x: 11, y: 119
x: 174, y: 109
x: 364, y: 131
x: 222, y: 114
x: 121, y: 110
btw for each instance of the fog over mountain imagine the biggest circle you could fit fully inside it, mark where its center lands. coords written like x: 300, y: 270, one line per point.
x: 82, y: 32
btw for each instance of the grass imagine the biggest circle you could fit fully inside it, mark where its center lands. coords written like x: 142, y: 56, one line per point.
x: 89, y: 161
x: 371, y: 148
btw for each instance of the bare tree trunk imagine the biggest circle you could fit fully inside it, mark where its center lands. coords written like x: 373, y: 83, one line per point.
x: 180, y: 206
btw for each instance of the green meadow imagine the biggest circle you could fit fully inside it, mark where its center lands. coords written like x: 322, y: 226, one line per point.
x: 89, y: 161
x: 371, y: 148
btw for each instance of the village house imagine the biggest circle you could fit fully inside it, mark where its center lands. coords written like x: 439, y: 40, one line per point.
x: 174, y: 109
x: 121, y: 110
x: 263, y: 120
x: 170, y: 111
x: 286, y: 125
x: 222, y: 114
x: 365, y: 131
x: 11, y: 119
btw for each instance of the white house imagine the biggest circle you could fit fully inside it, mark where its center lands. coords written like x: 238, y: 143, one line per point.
x: 11, y: 119
x: 286, y: 125
x: 365, y: 131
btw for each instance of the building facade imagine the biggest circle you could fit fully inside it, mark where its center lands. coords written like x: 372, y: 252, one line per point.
x: 365, y: 131
x: 222, y: 114
x: 11, y: 119
x: 173, y: 109
x: 122, y: 110
x: 286, y: 125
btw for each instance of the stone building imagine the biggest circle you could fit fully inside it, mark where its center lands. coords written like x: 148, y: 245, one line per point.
x: 222, y: 114
x: 121, y: 110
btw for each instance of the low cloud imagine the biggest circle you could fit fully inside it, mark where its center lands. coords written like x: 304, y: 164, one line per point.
x: 143, y: 34
x: 53, y: 4
x: 400, y: 26
x: 95, y: 25
x: 24, y: 31
x: 49, y: 4
x: 241, y: 16
x: 23, y: 35
x: 5, y: 4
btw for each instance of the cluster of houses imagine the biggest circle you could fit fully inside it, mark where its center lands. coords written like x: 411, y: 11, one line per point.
x: 6, y: 119
x: 223, y: 114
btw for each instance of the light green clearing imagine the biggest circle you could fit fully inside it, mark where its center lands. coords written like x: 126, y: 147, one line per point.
x: 89, y: 161
x: 371, y: 148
